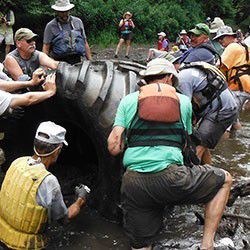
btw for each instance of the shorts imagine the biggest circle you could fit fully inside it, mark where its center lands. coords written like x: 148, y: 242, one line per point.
x: 126, y: 36
x: 145, y: 195
x: 8, y: 37
x: 159, y: 53
x: 211, y: 129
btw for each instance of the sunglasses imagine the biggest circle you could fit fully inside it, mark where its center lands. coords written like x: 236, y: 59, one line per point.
x: 31, y: 40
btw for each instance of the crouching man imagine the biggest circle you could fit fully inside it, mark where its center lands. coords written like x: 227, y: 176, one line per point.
x: 157, y: 121
x: 31, y: 196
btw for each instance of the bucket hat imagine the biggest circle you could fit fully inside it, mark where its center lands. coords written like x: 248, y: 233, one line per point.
x: 62, y: 5
x: 183, y: 32
x: 127, y: 13
x: 199, y: 29
x: 216, y: 24
x: 159, y: 66
x: 162, y: 34
x: 55, y: 133
x: 224, y: 31
x: 24, y: 33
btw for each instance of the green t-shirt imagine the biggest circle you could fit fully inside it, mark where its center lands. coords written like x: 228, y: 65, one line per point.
x: 156, y: 158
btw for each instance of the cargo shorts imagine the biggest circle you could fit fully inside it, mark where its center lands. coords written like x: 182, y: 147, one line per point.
x: 145, y: 195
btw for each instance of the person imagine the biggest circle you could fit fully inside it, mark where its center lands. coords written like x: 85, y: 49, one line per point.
x: 215, y: 25
x: 25, y: 59
x: 155, y: 172
x: 235, y: 64
x: 10, y: 101
x: 31, y: 195
x: 64, y: 36
x: 235, y: 60
x: 202, y: 49
x: 162, y: 47
x: 208, y: 21
x: 7, y: 20
x: 183, y: 41
x: 214, y: 106
x: 126, y: 27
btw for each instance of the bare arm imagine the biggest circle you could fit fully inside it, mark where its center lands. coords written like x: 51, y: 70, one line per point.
x: 31, y: 98
x: 10, y: 86
x: 74, y: 209
x: 88, y: 52
x: 47, y: 61
x: 13, y: 67
x: 115, y: 141
x: 46, y: 48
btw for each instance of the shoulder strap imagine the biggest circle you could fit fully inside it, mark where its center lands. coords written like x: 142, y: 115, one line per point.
x: 247, y: 50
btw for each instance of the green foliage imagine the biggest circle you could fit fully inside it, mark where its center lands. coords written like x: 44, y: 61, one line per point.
x: 101, y: 17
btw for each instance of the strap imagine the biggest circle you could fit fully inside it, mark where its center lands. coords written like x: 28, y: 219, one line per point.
x: 247, y: 51
x: 152, y: 143
x: 170, y: 131
x: 60, y: 26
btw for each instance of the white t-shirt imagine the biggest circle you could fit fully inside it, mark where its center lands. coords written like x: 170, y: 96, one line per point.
x: 5, y: 99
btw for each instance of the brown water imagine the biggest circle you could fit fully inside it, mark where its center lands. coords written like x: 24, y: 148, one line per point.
x: 182, y: 230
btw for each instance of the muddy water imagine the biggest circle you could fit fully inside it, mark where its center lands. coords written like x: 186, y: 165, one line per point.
x: 182, y: 228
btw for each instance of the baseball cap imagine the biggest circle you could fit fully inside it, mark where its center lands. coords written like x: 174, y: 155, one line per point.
x: 199, y: 29
x: 224, y: 31
x: 24, y: 33
x: 159, y: 66
x: 162, y: 34
x: 55, y: 133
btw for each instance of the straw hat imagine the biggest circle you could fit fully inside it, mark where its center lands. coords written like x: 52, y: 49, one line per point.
x: 62, y: 5
x: 127, y: 13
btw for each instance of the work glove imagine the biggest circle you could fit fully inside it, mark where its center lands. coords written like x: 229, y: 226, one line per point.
x: 82, y: 191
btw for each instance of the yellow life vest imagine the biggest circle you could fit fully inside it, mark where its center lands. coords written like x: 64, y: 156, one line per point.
x: 22, y: 220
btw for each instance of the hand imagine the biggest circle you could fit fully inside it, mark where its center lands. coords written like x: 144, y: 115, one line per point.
x: 38, y: 77
x: 50, y: 84
x: 82, y: 191
x: 16, y: 113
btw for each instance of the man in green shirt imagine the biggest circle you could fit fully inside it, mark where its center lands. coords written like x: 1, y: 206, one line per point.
x: 156, y: 120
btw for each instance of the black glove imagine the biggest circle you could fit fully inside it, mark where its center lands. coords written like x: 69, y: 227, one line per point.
x: 12, y: 114
x: 82, y: 191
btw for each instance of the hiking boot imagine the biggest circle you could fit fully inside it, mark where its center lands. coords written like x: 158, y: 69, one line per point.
x: 116, y: 56
x: 127, y: 57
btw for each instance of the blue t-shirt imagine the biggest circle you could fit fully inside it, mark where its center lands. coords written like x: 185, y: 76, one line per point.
x: 155, y: 158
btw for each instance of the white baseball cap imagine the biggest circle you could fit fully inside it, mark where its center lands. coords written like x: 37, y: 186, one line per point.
x: 159, y: 66
x: 162, y: 34
x: 55, y: 133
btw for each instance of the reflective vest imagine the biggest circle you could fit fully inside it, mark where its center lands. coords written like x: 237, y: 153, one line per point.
x: 22, y: 220
x: 158, y: 118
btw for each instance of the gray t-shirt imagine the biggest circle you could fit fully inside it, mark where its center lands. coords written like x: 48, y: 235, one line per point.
x: 5, y: 99
x: 49, y: 196
x: 52, y: 28
x: 192, y: 81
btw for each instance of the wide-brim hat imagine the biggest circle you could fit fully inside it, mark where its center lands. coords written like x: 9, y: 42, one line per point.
x: 24, y: 33
x: 200, y: 28
x: 159, y: 66
x: 224, y: 31
x: 216, y: 24
x: 127, y: 13
x: 162, y: 34
x: 183, y: 32
x: 62, y: 5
